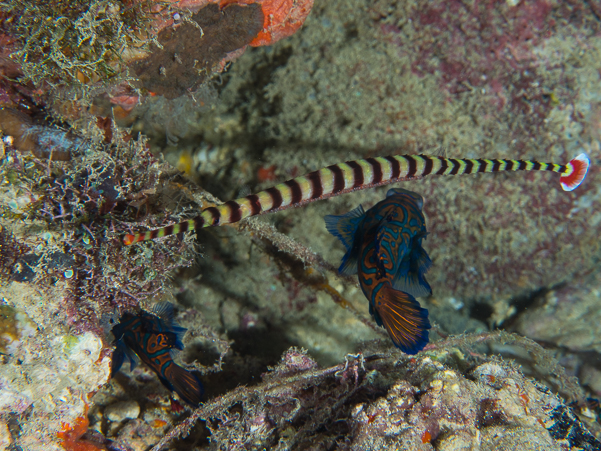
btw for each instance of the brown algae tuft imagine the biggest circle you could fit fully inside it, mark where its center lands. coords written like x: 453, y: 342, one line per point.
x: 68, y: 42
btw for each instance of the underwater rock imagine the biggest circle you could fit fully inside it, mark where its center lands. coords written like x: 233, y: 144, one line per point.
x: 326, y: 100
x: 51, y: 376
x: 15, y: 326
x: 282, y: 18
x: 5, y: 438
x: 122, y: 411
x: 567, y: 316
x: 191, y: 52
x: 42, y: 141
x: 450, y: 408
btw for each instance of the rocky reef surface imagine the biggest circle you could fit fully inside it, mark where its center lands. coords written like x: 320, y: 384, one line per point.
x: 104, y: 131
x: 64, y: 278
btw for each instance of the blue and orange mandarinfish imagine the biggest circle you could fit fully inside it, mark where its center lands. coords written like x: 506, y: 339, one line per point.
x: 150, y: 337
x: 384, y: 247
x: 357, y: 175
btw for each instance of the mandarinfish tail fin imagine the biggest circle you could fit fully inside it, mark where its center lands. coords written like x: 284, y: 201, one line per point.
x: 403, y: 318
x: 185, y: 383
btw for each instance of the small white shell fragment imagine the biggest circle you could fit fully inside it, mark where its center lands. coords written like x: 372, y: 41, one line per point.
x: 124, y: 410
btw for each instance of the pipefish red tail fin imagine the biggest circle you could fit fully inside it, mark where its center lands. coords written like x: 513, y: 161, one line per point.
x: 357, y: 175
x: 576, y: 172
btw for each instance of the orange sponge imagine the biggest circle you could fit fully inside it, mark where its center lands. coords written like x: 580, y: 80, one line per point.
x: 282, y: 18
x: 70, y: 435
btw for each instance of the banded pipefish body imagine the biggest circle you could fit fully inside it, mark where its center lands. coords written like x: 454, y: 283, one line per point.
x: 357, y: 175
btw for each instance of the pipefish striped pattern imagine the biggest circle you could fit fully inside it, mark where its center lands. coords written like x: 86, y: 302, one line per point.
x: 353, y: 176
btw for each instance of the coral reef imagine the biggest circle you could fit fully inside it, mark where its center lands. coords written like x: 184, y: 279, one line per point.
x: 75, y: 204
x: 64, y: 276
x: 360, y: 79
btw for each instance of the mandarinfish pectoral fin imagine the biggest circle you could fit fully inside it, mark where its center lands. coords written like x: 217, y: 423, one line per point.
x: 344, y: 227
x: 348, y: 267
x: 410, y: 276
x: 403, y: 318
x: 119, y: 354
x: 117, y: 360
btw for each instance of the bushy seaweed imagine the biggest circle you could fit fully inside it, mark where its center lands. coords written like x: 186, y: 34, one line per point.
x: 10, y: 252
x: 72, y: 212
x: 74, y: 42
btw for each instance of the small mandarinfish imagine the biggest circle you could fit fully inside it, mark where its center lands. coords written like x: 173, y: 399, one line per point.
x: 150, y: 337
x: 384, y: 248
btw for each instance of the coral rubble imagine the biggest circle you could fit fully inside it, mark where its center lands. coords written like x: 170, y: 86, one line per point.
x: 437, y: 400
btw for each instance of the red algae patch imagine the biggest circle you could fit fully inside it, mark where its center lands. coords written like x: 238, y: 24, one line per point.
x: 282, y: 19
x: 71, y: 435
